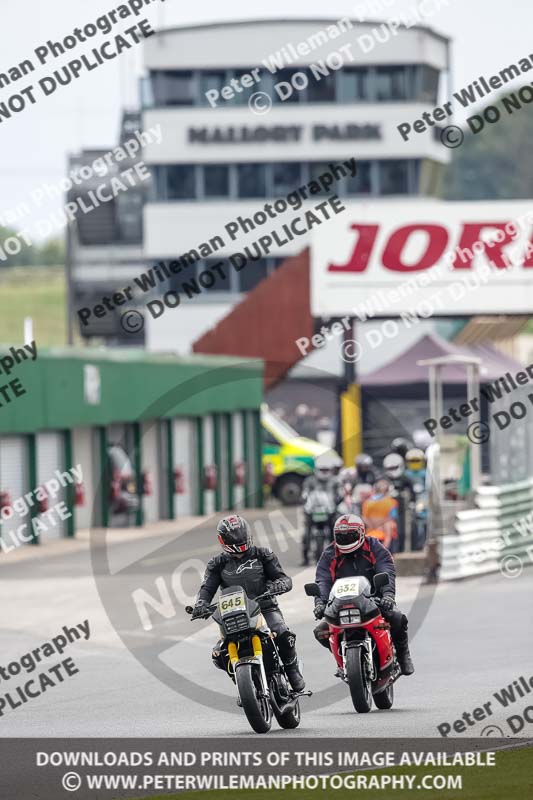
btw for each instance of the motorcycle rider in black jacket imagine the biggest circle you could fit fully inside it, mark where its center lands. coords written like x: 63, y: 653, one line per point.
x: 324, y: 480
x: 257, y: 570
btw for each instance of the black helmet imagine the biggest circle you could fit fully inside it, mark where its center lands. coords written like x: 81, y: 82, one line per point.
x: 364, y: 462
x: 400, y: 446
x: 234, y: 534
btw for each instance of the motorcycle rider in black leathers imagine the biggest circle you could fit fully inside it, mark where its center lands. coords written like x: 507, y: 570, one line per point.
x: 322, y: 478
x: 257, y: 570
x: 354, y: 553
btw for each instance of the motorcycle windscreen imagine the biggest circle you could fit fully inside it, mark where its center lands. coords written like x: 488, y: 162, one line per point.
x: 350, y: 587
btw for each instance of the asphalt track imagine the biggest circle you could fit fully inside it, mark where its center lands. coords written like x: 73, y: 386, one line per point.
x: 469, y: 640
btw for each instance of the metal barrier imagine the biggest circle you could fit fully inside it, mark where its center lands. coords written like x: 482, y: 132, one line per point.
x: 497, y: 535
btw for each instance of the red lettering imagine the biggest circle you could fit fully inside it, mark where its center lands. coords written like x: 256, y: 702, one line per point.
x: 528, y: 260
x: 358, y: 261
x: 471, y: 234
x: 437, y: 241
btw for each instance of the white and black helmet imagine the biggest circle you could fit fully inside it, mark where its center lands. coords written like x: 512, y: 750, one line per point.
x: 394, y: 465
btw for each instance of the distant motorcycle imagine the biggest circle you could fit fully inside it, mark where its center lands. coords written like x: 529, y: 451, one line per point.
x: 321, y: 510
x: 420, y: 516
x: 254, y: 661
x: 360, y: 640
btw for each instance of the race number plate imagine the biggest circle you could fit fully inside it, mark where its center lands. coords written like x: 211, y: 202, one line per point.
x: 231, y: 602
x: 347, y: 587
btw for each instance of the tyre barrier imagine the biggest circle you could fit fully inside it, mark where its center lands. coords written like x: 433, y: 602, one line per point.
x: 495, y: 536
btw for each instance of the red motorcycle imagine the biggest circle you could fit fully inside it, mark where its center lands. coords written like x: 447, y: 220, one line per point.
x: 360, y: 640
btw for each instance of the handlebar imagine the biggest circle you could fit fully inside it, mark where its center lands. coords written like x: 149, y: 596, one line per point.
x: 212, y: 608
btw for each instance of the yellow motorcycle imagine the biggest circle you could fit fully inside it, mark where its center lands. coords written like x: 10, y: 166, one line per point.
x: 253, y: 660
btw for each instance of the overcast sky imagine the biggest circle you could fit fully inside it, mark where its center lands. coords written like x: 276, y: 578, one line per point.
x: 485, y: 37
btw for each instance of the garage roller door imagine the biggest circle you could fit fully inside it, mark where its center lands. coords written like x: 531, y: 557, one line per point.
x: 184, y: 459
x: 14, y: 479
x: 50, y: 458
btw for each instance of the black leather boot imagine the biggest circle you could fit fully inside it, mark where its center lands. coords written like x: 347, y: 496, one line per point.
x: 404, y: 659
x: 296, y: 679
x: 287, y: 651
x: 400, y: 637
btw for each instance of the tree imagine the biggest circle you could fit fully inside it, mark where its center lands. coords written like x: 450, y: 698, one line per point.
x: 52, y: 253
x: 26, y: 255
x: 495, y: 163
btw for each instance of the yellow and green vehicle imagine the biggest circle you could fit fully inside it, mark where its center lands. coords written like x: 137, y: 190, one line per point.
x: 289, y: 458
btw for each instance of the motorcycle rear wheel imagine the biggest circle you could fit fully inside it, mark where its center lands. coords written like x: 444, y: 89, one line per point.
x: 385, y: 698
x: 257, y: 709
x: 360, y: 689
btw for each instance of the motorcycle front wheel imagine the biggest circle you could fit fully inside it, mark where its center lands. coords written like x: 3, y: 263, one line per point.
x: 360, y: 688
x: 255, y: 706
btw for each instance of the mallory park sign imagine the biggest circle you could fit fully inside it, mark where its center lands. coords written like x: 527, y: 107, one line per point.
x: 257, y: 134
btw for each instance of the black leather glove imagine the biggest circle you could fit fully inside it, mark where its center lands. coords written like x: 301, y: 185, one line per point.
x: 199, y: 609
x: 387, y: 602
x: 320, y: 608
x: 277, y: 587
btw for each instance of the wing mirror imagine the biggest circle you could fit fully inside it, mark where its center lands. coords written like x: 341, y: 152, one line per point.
x: 312, y: 589
x: 380, y: 581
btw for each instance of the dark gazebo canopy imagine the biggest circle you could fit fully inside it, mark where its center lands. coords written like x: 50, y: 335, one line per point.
x: 403, y: 369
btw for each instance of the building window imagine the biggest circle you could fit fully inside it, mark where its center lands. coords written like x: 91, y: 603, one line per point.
x: 318, y: 168
x: 221, y: 275
x: 251, y: 180
x: 176, y: 88
x: 289, y: 94
x: 391, y: 83
x: 354, y: 85
x: 286, y: 177
x: 321, y: 89
x: 216, y: 180
x: 211, y: 80
x: 428, y: 85
x: 181, y: 182
x: 242, y: 96
x: 252, y: 274
x: 394, y: 177
x: 361, y: 183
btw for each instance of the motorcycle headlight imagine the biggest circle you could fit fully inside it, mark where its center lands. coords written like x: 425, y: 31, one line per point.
x: 420, y: 507
x: 349, y: 616
x: 236, y: 622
